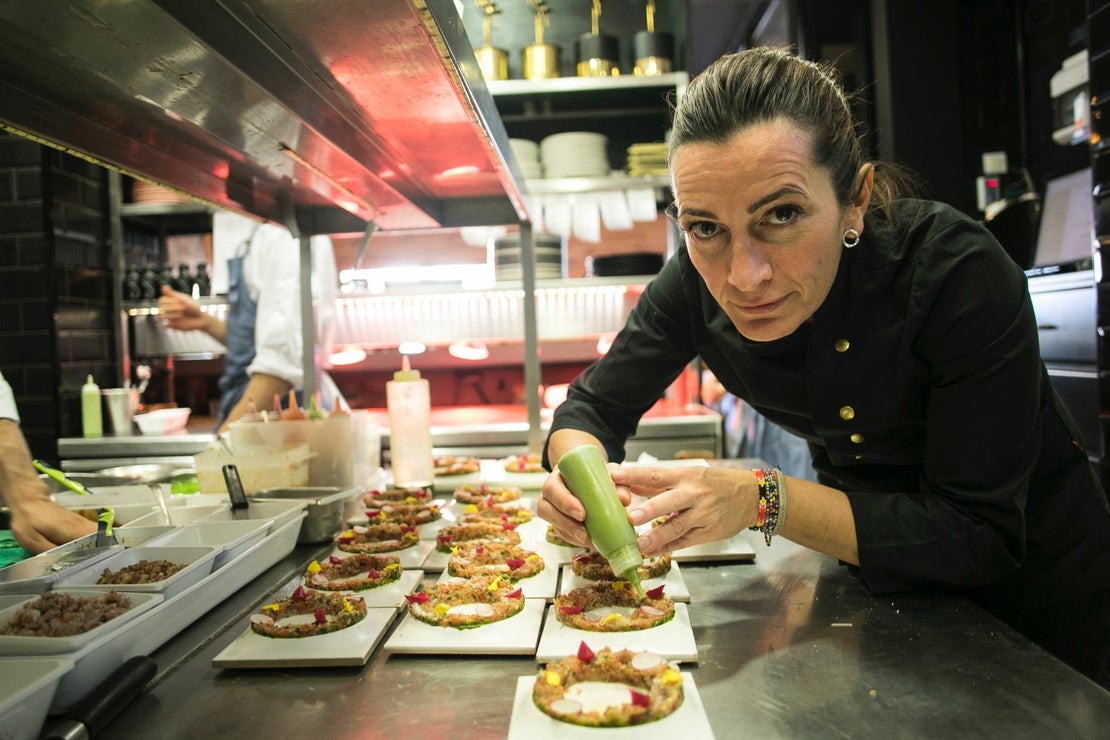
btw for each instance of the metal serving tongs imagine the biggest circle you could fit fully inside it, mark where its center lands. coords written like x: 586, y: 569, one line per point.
x: 60, y: 477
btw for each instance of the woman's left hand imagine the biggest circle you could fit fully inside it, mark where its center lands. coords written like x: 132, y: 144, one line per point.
x: 699, y: 504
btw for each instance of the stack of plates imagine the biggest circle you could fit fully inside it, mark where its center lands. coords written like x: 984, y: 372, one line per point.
x: 527, y: 155
x: 647, y: 159
x: 631, y: 263
x: 575, y: 154
x: 145, y: 192
x: 548, y: 248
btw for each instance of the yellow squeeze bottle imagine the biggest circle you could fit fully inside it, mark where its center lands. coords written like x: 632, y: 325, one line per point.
x: 583, y: 469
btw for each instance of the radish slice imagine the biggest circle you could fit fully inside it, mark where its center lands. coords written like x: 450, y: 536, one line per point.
x: 565, y: 706
x: 483, y: 610
x: 361, y: 529
x: 645, y: 661
x: 319, y: 579
x: 261, y: 619
x: 651, y: 611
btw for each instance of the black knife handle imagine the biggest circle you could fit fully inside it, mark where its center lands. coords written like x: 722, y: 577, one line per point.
x: 110, y: 697
x: 235, y: 487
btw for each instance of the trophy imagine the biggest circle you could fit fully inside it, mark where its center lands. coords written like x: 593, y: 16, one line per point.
x: 493, y: 62
x: 653, y: 50
x: 598, y: 53
x: 541, y: 61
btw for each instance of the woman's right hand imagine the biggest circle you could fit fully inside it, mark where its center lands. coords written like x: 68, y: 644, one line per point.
x: 180, y: 311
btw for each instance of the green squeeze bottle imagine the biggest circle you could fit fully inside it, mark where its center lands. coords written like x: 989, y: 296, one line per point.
x: 583, y: 469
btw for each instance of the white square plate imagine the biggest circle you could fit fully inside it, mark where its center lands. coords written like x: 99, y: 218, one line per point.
x: 735, y: 549
x: 513, y: 636
x: 28, y: 645
x: 198, y: 562
x: 674, y: 585
x: 347, y: 647
x: 689, y: 720
x: 673, y: 640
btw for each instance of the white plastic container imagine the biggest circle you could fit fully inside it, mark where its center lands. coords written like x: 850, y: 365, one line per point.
x: 27, y: 687
x: 408, y: 397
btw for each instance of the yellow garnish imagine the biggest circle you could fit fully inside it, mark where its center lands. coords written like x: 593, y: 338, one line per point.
x: 552, y: 678
x: 410, y: 536
x: 471, y: 509
x: 454, y: 549
x: 671, y: 677
x: 610, y: 618
x: 410, y: 500
x: 314, y: 567
x: 347, y: 606
x: 441, y: 609
x: 494, y: 584
x: 393, y: 566
x: 382, y: 515
x: 272, y: 607
x: 618, y: 585
x: 347, y: 533
x: 531, y: 556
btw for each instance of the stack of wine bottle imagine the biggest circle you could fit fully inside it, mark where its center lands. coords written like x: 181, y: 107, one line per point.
x: 145, y: 284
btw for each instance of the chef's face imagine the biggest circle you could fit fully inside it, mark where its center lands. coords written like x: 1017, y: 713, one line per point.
x: 763, y: 225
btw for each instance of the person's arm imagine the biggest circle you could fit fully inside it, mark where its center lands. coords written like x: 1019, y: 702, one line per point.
x: 260, y: 389
x: 37, y: 522
x: 181, y: 312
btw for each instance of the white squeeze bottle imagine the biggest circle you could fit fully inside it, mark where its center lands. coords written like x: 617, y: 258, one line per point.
x: 92, y: 424
x: 408, y: 397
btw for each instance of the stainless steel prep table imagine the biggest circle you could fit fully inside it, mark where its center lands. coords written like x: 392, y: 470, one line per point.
x: 791, y: 646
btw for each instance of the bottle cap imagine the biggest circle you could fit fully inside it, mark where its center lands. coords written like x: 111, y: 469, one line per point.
x: 406, y: 372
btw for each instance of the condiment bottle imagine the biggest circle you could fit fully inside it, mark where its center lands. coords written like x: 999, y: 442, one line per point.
x: 92, y: 424
x: 583, y: 469
x: 202, y: 284
x: 408, y: 397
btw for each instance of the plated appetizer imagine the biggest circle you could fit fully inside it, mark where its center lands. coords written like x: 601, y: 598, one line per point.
x: 467, y: 604
x: 372, y: 538
x: 608, y: 689
x: 359, y: 572
x: 613, y: 606
x: 452, y: 465
x: 593, y: 566
x: 486, y: 495
x: 470, y: 559
x: 407, y: 513
x: 376, y: 498
x: 492, y: 532
x: 530, y: 463
x: 514, y: 515
x: 308, y: 612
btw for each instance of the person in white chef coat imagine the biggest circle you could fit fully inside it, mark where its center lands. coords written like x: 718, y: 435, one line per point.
x: 262, y: 331
x: 37, y: 522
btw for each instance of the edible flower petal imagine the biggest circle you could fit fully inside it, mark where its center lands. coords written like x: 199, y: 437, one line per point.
x: 515, y: 594
x: 272, y: 607
x: 441, y: 609
x: 671, y: 677
x: 551, y: 678
x: 300, y: 594
x: 347, y: 606
x: 320, y: 616
x: 313, y: 567
x: 570, y: 609
x: 640, y: 699
x: 656, y: 592
x: 418, y: 598
x: 610, y: 618
x: 514, y: 563
x: 333, y: 560
x: 584, y: 653
x: 494, y: 584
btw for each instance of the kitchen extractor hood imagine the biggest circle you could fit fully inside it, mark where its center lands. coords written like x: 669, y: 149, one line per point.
x: 318, y: 114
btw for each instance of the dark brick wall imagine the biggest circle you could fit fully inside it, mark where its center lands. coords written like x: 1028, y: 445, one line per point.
x: 55, y: 287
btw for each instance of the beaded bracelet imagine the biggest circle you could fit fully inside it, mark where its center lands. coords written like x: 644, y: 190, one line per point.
x: 772, y: 502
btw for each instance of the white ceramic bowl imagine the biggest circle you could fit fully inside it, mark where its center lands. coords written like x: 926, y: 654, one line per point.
x: 163, y: 421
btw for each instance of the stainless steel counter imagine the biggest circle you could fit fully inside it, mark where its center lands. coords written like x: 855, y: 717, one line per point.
x: 791, y: 647
x: 490, y: 431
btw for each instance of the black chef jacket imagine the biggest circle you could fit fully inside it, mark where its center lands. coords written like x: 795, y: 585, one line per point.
x: 920, y: 389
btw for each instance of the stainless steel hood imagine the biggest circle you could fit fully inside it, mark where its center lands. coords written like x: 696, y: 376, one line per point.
x: 317, y: 114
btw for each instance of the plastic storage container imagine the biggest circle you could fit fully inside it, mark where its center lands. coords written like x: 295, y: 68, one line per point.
x: 258, y: 470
